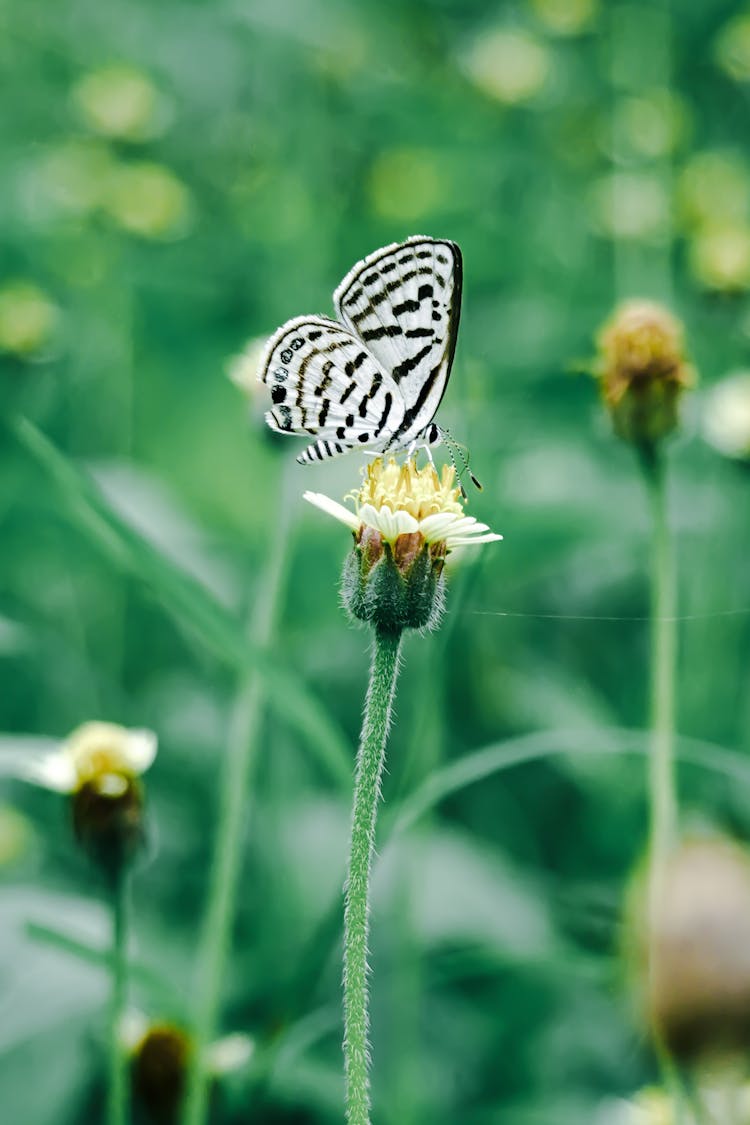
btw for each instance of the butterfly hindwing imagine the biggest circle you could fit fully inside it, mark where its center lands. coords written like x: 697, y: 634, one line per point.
x: 325, y: 383
x: 404, y: 303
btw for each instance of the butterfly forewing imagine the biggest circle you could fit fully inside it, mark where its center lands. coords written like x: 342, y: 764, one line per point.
x: 324, y: 382
x: 404, y: 303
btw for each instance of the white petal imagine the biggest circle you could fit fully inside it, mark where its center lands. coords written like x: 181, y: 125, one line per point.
x: 434, y: 527
x: 333, y: 508
x: 466, y: 541
x: 55, y: 770
x: 229, y: 1053
x: 140, y: 750
x: 389, y: 524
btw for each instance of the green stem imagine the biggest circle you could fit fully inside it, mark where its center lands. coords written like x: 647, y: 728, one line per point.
x: 662, y: 791
x: 661, y: 776
x: 370, y: 761
x: 117, y: 1091
x: 237, y: 770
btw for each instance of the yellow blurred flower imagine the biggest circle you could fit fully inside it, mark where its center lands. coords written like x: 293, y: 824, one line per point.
x: 147, y: 199
x: 715, y: 182
x: 732, y: 48
x: 28, y: 318
x: 119, y: 101
x: 406, y: 183
x: 719, y: 257
x: 508, y: 64
x: 566, y: 17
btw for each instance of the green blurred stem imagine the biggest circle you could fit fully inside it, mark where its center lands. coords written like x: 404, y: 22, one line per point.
x: 662, y: 787
x: 117, y: 1090
x: 370, y: 762
x: 662, y: 790
x: 237, y: 770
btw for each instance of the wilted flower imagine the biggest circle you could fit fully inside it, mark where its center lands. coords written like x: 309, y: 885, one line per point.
x: 99, y: 764
x: 405, y: 522
x: 643, y: 370
x: 726, y: 421
x: 692, y: 949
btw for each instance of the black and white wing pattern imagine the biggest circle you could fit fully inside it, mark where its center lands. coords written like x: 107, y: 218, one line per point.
x: 404, y: 303
x: 374, y: 380
x: 325, y: 383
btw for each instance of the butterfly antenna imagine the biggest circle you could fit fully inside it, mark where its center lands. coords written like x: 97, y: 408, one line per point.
x: 452, y: 445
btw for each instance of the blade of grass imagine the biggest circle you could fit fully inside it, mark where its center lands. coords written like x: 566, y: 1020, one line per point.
x: 56, y: 938
x: 197, y: 614
x: 499, y: 756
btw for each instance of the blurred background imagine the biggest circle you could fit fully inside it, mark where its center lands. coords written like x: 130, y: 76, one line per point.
x: 177, y: 180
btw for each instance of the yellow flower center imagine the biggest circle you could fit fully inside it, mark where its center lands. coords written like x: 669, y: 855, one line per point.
x: 420, y: 492
x: 100, y: 754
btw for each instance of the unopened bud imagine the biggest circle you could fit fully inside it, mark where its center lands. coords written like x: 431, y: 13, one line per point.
x: 643, y: 371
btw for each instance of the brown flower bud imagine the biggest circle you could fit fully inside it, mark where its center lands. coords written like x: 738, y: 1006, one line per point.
x: 108, y: 819
x: 158, y: 1071
x: 643, y: 371
x: 693, y: 951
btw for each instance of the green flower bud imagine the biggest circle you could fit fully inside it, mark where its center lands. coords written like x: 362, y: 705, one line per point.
x: 394, y: 586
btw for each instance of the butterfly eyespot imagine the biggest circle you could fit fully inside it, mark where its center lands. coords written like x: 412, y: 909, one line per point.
x: 280, y: 374
x: 297, y: 343
x: 363, y: 438
x: 284, y: 417
x: 278, y: 394
x: 286, y: 355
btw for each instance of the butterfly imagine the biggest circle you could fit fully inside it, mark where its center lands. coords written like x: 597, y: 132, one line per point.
x: 373, y: 378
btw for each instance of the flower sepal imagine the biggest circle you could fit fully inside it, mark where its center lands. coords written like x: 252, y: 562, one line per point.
x: 394, y: 586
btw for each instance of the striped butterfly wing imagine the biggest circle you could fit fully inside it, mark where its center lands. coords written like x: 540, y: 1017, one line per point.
x: 404, y: 304
x: 325, y: 383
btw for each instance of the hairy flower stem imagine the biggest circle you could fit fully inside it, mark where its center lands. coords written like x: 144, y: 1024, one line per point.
x: 237, y: 770
x: 117, y: 1089
x: 370, y: 761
